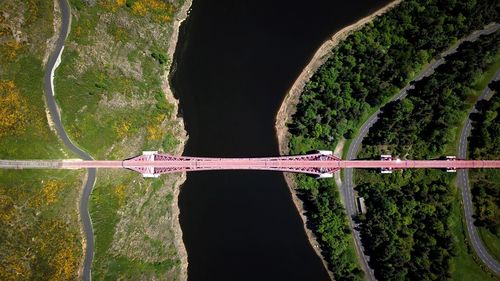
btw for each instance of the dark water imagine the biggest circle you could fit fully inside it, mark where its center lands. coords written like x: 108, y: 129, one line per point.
x: 234, y: 63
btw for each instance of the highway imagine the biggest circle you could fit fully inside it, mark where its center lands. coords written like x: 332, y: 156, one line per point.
x: 463, y: 184
x: 48, y: 80
x: 347, y: 190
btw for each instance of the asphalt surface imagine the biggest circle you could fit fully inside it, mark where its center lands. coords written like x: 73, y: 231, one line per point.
x: 56, y: 118
x: 31, y: 164
x: 309, y: 166
x: 463, y: 184
x: 347, y: 190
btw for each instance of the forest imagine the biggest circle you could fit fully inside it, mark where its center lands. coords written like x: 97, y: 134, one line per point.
x: 484, y: 143
x: 362, y: 73
x: 407, y: 227
x: 375, y: 62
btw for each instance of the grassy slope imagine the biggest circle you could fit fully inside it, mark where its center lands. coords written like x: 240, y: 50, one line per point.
x: 110, y: 84
x: 482, y: 81
x: 466, y: 264
x: 38, y: 209
x: 490, y: 240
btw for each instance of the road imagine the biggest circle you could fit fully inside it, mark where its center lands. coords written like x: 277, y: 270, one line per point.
x: 270, y: 164
x: 463, y: 184
x: 48, y: 80
x: 347, y: 190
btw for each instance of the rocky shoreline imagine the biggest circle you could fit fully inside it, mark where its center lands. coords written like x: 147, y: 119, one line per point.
x: 288, y: 108
x: 181, y: 136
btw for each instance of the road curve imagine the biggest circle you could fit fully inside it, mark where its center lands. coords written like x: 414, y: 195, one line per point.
x: 463, y: 184
x: 347, y: 190
x: 56, y: 118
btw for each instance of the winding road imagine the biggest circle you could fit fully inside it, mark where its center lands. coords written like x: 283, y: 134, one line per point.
x: 463, y: 184
x: 347, y: 190
x: 48, y: 80
x: 348, y: 187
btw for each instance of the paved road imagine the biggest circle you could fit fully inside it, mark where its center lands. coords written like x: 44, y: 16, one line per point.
x: 31, y: 164
x: 311, y: 166
x: 347, y: 190
x: 463, y: 184
x: 56, y: 118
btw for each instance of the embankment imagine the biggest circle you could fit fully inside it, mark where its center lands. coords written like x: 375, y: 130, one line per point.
x: 182, y: 137
x: 288, y: 108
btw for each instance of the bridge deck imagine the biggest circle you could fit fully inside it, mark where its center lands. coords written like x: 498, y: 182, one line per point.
x: 249, y: 163
x: 180, y: 164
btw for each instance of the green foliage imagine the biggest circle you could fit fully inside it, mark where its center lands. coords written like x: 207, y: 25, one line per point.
x: 39, y: 229
x: 373, y: 63
x: 330, y: 225
x: 109, y: 87
x: 435, y: 104
x: 363, y: 72
x: 465, y: 265
x: 161, y: 57
x: 484, y: 143
x: 406, y: 228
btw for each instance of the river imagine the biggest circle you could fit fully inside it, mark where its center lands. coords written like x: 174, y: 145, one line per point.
x: 234, y: 62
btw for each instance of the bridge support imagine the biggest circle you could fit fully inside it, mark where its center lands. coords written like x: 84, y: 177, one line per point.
x: 451, y: 169
x: 146, y: 171
x: 386, y: 170
x: 171, y: 164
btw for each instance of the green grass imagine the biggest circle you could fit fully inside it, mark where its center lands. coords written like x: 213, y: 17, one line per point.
x: 94, y: 127
x: 110, y: 92
x: 122, y: 267
x: 482, y: 81
x: 465, y: 265
x: 491, y: 242
x: 109, y: 265
x: 103, y: 206
x: 351, y: 247
x: 486, y: 76
x: 37, y: 141
x: 38, y: 225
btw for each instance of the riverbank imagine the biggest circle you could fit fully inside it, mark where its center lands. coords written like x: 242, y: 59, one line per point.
x: 181, y: 137
x: 288, y: 108
x: 118, y: 112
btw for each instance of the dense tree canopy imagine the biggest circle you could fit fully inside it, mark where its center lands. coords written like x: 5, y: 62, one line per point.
x: 375, y: 62
x: 484, y: 143
x: 406, y: 228
x: 363, y: 71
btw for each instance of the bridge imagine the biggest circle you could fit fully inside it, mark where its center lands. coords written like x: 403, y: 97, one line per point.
x: 321, y: 164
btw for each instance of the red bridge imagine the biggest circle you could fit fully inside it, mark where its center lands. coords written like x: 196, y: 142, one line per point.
x: 321, y: 164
